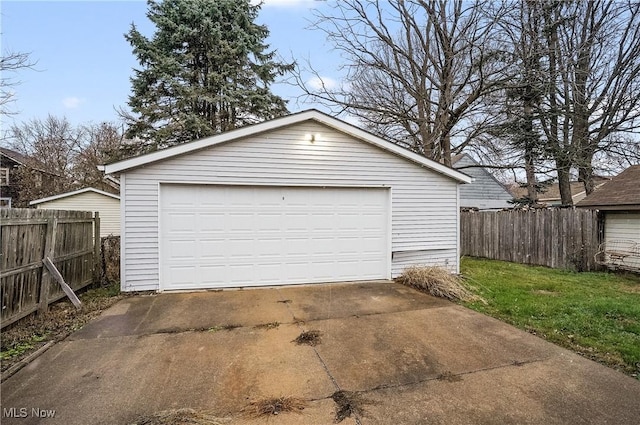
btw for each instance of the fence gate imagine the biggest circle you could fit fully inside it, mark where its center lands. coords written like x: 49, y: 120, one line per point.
x: 27, y: 237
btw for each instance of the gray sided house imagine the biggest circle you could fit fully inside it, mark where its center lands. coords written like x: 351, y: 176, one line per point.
x: 485, y: 192
x: 619, y: 201
x: 305, y: 198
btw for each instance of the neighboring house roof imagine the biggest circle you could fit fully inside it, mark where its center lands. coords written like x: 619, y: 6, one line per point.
x: 26, y: 161
x: 457, y: 158
x: 485, y: 191
x: 75, y: 192
x: 620, y: 193
x: 552, y: 192
x: 14, y: 156
x: 313, y: 115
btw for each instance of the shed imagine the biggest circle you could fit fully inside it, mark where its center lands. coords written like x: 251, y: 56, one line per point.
x: 485, y: 192
x: 88, y: 199
x: 619, y: 200
x: 304, y: 198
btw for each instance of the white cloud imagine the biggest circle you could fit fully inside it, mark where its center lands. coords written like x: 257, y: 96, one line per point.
x: 72, y: 102
x: 319, y: 83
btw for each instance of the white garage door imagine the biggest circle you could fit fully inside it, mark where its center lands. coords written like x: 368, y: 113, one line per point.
x: 230, y: 236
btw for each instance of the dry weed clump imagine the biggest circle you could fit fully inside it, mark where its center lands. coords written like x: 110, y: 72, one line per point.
x: 311, y: 338
x: 347, y: 404
x: 438, y: 282
x: 180, y: 417
x: 275, y: 406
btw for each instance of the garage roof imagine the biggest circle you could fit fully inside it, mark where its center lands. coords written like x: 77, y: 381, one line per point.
x: 620, y: 193
x: 308, y: 115
x: 75, y: 192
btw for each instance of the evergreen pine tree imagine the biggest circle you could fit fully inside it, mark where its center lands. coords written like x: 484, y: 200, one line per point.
x: 206, y: 70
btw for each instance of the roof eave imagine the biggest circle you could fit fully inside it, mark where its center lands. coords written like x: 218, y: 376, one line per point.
x: 73, y: 193
x: 622, y: 207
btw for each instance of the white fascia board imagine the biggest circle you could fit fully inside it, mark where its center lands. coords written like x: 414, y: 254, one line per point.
x: 75, y: 192
x: 276, y: 123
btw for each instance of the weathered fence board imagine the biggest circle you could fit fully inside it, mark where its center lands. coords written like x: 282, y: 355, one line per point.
x: 559, y: 238
x: 27, y: 236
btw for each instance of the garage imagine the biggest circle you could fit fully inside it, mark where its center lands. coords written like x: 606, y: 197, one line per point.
x: 301, y: 199
x: 234, y: 236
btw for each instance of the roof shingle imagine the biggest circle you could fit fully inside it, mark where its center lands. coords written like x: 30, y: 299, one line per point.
x: 620, y: 193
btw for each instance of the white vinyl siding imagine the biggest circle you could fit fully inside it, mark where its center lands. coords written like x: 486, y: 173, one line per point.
x: 424, y: 204
x: 624, y: 226
x: 107, y: 207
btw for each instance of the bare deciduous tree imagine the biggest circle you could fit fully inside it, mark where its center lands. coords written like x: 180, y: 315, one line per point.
x: 51, y: 145
x: 10, y: 63
x: 61, y: 156
x: 419, y: 70
x: 101, y: 145
x: 592, y: 81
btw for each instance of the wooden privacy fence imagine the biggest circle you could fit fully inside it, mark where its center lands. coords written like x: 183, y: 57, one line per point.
x: 27, y: 238
x: 559, y: 238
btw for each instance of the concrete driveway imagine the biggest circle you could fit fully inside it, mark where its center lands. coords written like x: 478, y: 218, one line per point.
x: 409, y: 358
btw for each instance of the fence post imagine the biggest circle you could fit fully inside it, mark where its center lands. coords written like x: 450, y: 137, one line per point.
x: 97, y: 272
x: 45, y: 277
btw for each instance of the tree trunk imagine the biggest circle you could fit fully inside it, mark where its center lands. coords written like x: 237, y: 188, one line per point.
x: 564, y: 182
x: 529, y: 146
x: 585, y: 175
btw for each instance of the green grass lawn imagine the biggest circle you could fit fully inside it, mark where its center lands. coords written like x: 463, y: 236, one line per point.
x: 594, y: 314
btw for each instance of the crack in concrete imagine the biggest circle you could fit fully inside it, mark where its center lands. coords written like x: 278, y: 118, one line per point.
x: 320, y: 359
x: 515, y: 363
x: 146, y: 314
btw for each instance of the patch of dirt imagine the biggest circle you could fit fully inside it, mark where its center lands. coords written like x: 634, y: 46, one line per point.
x: 347, y: 404
x: 630, y: 289
x: 449, y: 377
x: 180, y: 417
x: 311, y: 338
x: 275, y: 406
x: 267, y: 326
x: 24, y: 337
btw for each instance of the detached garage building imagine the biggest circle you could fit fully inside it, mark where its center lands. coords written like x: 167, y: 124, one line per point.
x: 619, y: 201
x: 305, y: 198
x: 87, y: 199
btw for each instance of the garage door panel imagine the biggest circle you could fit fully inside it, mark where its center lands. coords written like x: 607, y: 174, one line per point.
x: 212, y: 222
x: 240, y: 274
x: 217, y: 236
x: 182, y: 222
x: 270, y: 221
x: 181, y: 249
x: 241, y: 222
x: 213, y: 249
x: 269, y: 272
x: 183, y: 276
x: 269, y: 247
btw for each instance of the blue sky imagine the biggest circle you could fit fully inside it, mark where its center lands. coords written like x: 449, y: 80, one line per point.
x: 84, y: 62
